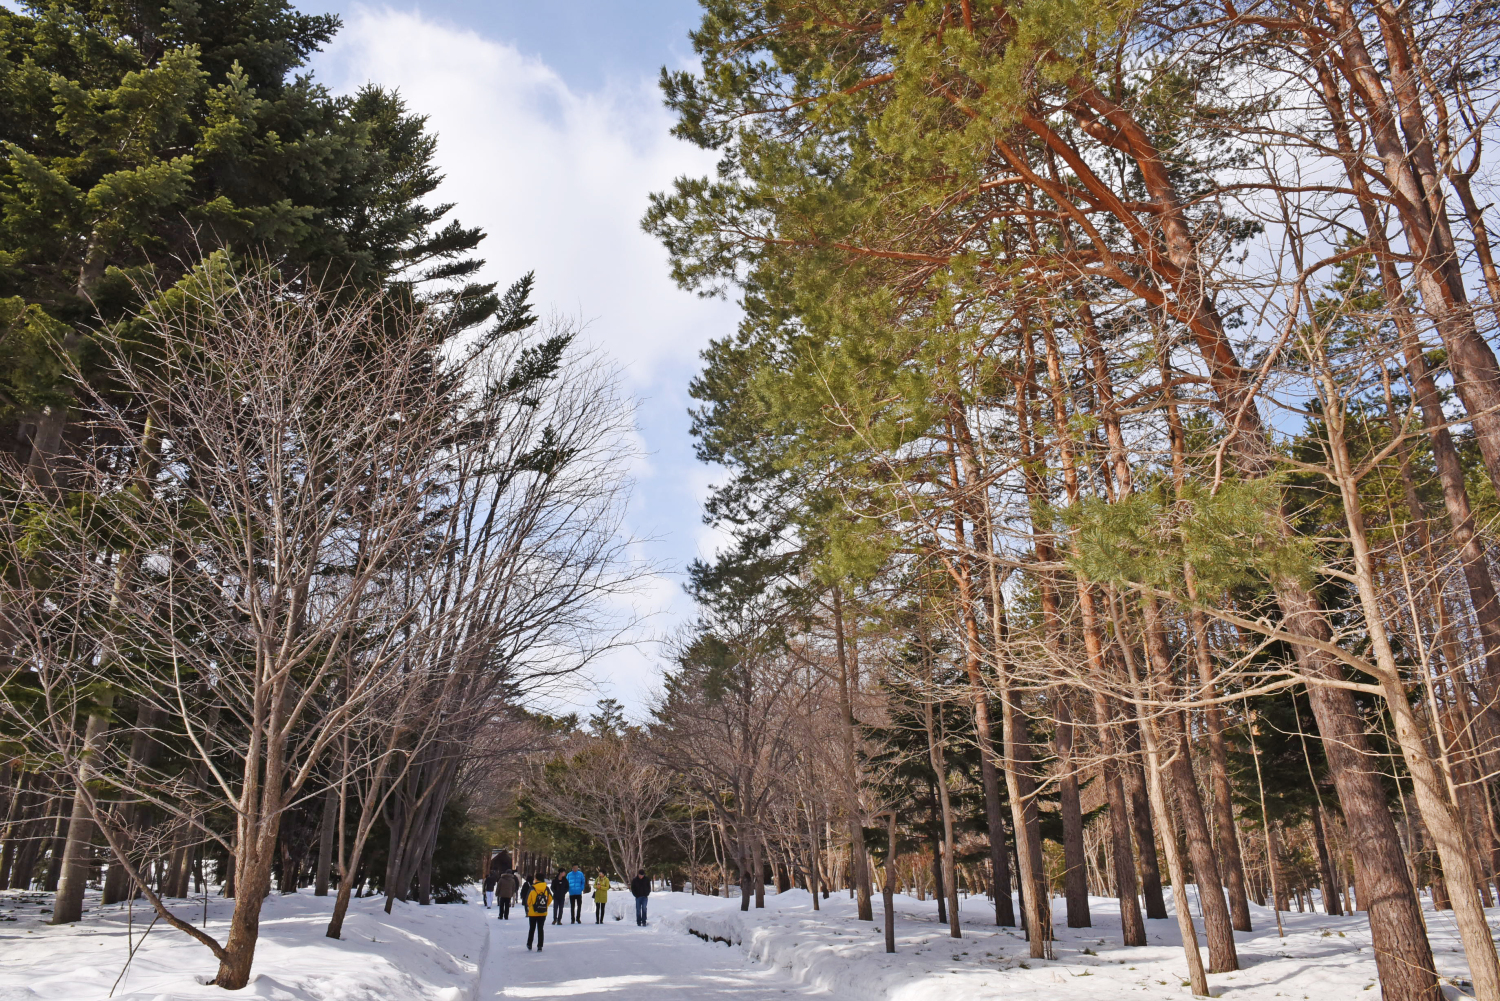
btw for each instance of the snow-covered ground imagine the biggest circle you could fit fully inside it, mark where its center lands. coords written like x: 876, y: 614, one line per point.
x: 461, y: 952
x: 1319, y: 959
x: 416, y: 952
x: 617, y: 961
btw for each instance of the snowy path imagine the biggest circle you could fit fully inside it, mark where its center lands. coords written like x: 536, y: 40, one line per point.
x: 617, y: 961
x: 459, y: 952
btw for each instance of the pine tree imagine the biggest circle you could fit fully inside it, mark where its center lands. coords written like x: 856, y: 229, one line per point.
x: 137, y: 137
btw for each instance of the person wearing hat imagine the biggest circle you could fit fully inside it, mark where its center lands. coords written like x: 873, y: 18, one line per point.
x: 538, y: 899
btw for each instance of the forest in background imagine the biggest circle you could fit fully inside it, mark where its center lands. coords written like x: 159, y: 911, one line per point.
x: 1110, y: 456
x: 296, y: 514
x: 1109, y: 462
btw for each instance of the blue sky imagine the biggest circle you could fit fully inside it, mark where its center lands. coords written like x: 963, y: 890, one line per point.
x: 552, y: 135
x: 588, y: 42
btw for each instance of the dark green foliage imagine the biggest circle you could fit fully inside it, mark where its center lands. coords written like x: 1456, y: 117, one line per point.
x: 1294, y: 770
x: 899, y: 753
x: 136, y: 137
x: 455, y: 858
x: 1231, y: 537
x: 1291, y: 759
x: 608, y: 719
x: 565, y: 844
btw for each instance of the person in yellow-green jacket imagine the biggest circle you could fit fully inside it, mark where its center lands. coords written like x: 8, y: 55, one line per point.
x: 601, y: 895
x: 538, y: 899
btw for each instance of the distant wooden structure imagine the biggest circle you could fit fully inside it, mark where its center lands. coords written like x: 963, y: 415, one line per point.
x: 515, y: 857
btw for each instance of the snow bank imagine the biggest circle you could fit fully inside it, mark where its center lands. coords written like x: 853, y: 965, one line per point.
x: 1320, y: 958
x: 429, y: 953
x: 436, y: 954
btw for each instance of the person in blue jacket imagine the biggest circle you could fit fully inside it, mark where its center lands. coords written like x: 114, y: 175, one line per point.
x: 577, y: 883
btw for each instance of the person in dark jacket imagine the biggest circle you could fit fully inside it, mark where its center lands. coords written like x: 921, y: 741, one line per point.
x: 559, y: 896
x: 489, y: 887
x: 640, y: 888
x: 505, y: 890
x: 577, y: 883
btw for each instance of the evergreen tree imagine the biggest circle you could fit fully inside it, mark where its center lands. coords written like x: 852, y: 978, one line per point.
x: 138, y: 136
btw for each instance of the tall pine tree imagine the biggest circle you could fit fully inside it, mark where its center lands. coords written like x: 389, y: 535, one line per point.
x: 136, y: 137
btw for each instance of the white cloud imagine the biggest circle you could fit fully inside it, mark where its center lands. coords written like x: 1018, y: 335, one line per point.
x: 559, y: 180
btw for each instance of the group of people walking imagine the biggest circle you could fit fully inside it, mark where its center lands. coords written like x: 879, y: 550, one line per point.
x: 567, y: 889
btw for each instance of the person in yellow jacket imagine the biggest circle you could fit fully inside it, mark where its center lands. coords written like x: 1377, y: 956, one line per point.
x: 538, y: 899
x: 601, y: 895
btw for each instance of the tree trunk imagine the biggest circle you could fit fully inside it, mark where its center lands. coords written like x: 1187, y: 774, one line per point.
x: 1398, y: 934
x: 179, y: 868
x: 1027, y: 824
x: 423, y: 815
x: 938, y: 883
x: 351, y: 870
x: 1440, y: 901
x: 1233, y: 865
x: 760, y: 877
x: 10, y: 781
x: 1447, y: 829
x: 1222, y: 955
x: 326, y: 836
x: 15, y: 825
x: 424, y: 879
x: 1331, y: 903
x: 1197, y: 977
x: 1145, y: 832
x: 948, y: 888
x: 133, y: 816
x: 1133, y: 929
x: 744, y: 864
x: 983, y: 725
x: 253, y: 881
x: 1401, y: 950
x: 859, y: 862
x: 888, y: 891
x: 1005, y: 914
x: 1451, y: 835
x: 1273, y: 854
x: 1075, y: 874
x: 67, y: 906
x: 41, y: 440
x: 24, y: 851
x: 813, y: 860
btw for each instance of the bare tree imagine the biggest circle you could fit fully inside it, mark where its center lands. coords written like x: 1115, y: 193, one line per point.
x: 272, y: 554
x: 610, y: 788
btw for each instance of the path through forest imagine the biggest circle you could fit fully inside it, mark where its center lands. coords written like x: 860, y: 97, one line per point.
x: 619, y: 961
x: 786, y: 951
x: 789, y: 950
